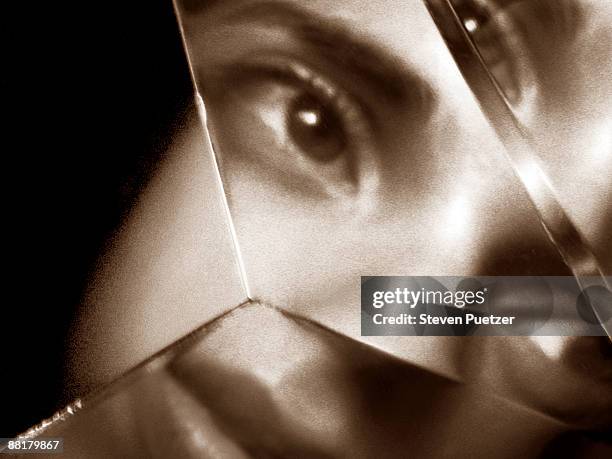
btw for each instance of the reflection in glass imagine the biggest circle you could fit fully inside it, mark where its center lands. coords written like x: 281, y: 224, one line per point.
x: 350, y: 144
x: 503, y: 50
x: 231, y: 389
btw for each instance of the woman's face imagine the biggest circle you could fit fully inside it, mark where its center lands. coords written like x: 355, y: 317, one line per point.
x: 350, y: 145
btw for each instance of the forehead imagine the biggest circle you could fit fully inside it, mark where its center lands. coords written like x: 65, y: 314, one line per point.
x: 402, y: 28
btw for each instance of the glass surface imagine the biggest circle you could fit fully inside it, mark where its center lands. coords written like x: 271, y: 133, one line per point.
x: 551, y: 60
x: 232, y: 389
x: 520, y: 60
x: 349, y: 144
x: 172, y: 267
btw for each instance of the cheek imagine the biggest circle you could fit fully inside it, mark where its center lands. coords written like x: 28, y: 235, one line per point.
x: 149, y: 290
x: 441, y: 210
x: 578, y: 155
x: 570, y: 120
x: 568, y: 377
x: 573, y: 134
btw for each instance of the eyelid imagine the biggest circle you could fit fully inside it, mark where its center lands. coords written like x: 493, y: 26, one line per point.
x: 323, y: 35
x: 284, y: 71
x: 371, y: 74
x: 532, y: 34
x: 285, y: 68
x: 501, y: 44
x: 361, y: 161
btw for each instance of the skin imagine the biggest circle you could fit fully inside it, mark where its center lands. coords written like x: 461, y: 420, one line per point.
x: 428, y: 189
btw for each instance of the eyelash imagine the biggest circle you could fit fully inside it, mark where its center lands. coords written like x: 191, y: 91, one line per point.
x: 517, y: 42
x: 305, y: 80
x: 496, y: 37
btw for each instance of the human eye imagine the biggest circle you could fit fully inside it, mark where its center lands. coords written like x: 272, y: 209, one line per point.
x: 521, y: 41
x: 291, y: 123
x: 493, y: 29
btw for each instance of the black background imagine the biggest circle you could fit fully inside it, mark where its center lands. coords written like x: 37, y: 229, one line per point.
x: 107, y: 83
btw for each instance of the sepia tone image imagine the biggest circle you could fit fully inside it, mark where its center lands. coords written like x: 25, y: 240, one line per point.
x: 327, y: 143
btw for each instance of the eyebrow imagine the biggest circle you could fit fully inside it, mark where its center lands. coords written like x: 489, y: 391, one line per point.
x: 335, y: 41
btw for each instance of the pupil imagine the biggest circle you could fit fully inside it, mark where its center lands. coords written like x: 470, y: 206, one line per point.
x: 316, y: 128
x: 490, y: 36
